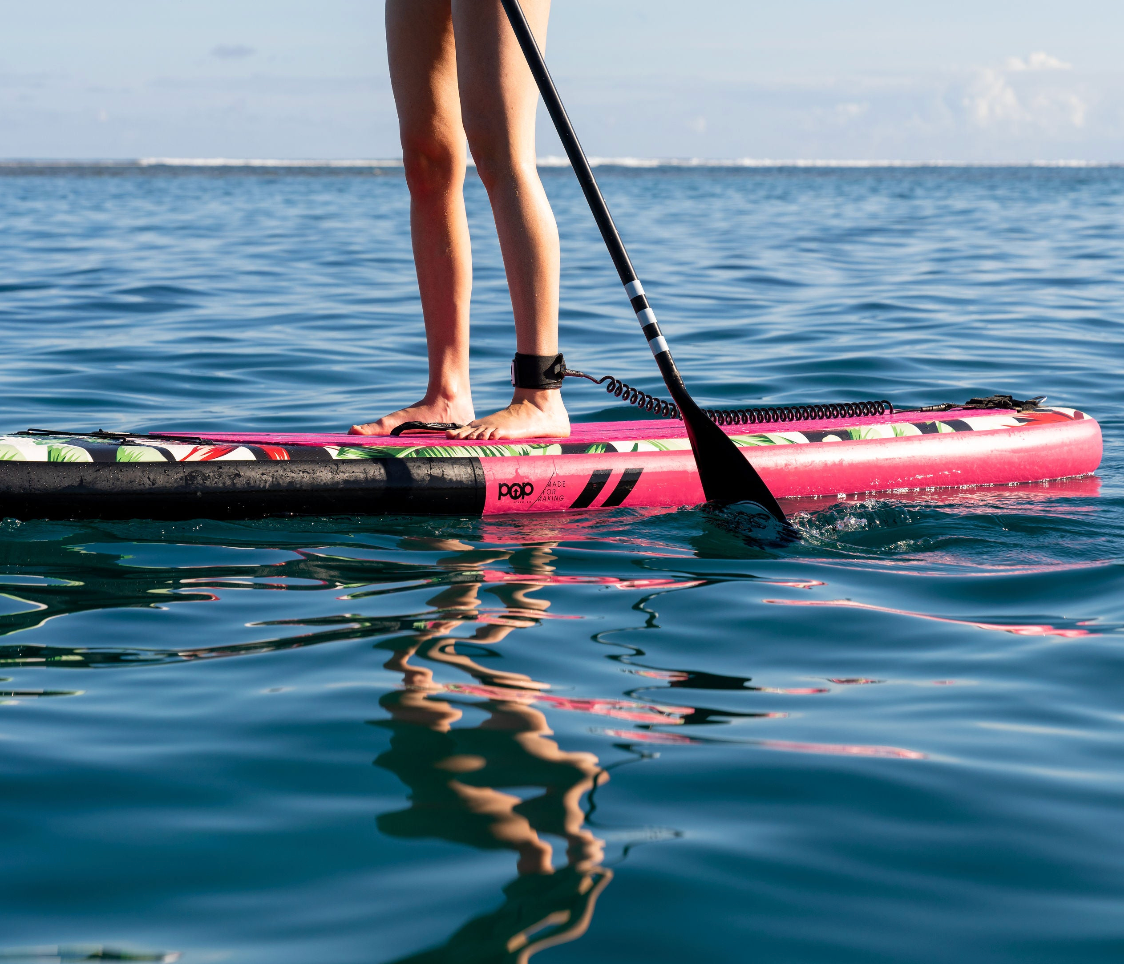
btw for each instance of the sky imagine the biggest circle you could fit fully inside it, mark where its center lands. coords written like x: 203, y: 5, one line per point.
x: 983, y: 81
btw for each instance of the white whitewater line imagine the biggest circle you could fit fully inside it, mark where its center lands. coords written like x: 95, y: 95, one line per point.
x: 755, y: 162
x: 260, y: 162
x: 550, y: 161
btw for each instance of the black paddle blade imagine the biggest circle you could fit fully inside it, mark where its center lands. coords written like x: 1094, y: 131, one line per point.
x: 724, y: 471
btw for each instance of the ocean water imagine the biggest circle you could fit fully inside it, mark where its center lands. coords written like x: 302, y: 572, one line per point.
x: 615, y: 736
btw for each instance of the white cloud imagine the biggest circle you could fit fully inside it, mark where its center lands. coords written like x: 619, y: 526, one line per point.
x: 1040, y: 60
x: 1019, y: 98
x: 1055, y: 106
x: 991, y: 99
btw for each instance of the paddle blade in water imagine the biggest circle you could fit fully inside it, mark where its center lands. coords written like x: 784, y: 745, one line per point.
x: 724, y: 471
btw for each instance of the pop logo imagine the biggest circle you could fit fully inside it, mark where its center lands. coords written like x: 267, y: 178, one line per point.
x: 515, y: 490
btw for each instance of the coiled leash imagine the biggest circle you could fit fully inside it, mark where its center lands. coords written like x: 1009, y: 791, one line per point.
x: 548, y: 372
x: 737, y: 416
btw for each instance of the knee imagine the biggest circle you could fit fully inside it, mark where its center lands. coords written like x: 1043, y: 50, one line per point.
x: 497, y: 162
x: 434, y: 165
x: 500, y: 169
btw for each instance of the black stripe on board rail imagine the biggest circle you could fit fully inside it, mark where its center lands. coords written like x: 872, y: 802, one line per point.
x: 592, y: 489
x: 625, y: 486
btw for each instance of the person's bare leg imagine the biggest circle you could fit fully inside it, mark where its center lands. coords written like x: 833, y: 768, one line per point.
x: 498, y: 100
x: 423, y: 74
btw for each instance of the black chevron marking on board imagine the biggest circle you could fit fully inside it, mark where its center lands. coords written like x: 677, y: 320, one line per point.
x: 592, y: 489
x: 624, y: 487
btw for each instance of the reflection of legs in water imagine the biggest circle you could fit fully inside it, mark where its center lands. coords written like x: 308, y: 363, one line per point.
x: 456, y: 776
x: 513, y: 595
x: 424, y: 755
x: 461, y: 602
x: 453, y: 775
x: 539, y: 912
x: 558, y: 810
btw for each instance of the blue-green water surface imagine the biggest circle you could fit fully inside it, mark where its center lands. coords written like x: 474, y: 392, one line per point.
x: 616, y: 736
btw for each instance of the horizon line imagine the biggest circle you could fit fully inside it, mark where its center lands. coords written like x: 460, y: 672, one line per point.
x: 550, y: 161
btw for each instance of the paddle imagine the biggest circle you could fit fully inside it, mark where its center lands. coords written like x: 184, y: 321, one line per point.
x: 725, y: 474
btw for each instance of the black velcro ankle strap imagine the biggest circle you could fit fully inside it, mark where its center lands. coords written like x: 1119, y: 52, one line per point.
x: 537, y: 371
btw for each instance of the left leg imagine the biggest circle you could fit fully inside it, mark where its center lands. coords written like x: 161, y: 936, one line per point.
x: 498, y: 102
x: 423, y: 75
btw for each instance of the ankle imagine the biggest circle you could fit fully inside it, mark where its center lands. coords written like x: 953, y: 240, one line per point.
x: 544, y: 399
x: 444, y: 397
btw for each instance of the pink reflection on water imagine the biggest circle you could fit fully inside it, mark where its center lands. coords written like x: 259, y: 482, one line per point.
x: 788, y: 746
x: 631, y: 710
x: 548, y: 579
x: 1036, y: 495
x: 1017, y: 629
x: 650, y: 736
x: 843, y: 749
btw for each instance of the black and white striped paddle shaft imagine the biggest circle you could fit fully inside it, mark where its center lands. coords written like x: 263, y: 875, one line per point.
x: 725, y: 473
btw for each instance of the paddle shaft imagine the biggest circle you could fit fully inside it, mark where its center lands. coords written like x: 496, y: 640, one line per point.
x: 725, y: 474
x: 592, y: 192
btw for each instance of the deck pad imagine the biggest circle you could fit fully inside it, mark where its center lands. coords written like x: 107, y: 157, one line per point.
x: 594, y: 438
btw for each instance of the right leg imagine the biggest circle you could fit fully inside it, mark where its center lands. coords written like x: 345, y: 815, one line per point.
x: 423, y: 76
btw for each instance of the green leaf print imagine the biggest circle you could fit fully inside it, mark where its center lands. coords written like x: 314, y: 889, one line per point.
x: 596, y: 448
x: 866, y: 432
x: 67, y: 453
x: 443, y: 451
x: 484, y: 451
x: 9, y: 453
x: 139, y: 453
x: 374, y: 452
x: 455, y: 451
x: 759, y: 439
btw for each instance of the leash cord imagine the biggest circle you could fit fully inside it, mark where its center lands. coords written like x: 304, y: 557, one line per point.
x: 736, y: 416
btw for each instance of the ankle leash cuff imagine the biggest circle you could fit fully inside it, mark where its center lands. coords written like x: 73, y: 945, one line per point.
x: 537, y: 371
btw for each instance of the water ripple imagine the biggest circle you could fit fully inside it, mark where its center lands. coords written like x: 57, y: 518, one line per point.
x: 633, y: 734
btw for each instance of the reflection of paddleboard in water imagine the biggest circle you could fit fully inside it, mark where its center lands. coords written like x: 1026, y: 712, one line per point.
x: 603, y: 465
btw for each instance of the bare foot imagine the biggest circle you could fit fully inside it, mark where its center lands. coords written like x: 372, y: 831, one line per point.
x: 444, y: 410
x: 533, y: 413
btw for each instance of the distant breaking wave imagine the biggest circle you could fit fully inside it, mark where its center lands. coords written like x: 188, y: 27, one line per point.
x: 260, y: 162
x: 546, y: 162
x: 651, y: 162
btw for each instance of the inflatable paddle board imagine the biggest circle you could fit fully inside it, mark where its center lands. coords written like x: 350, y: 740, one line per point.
x: 602, y: 465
